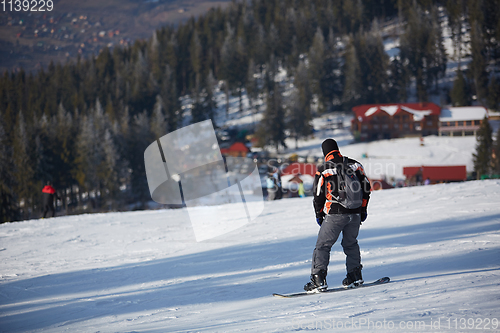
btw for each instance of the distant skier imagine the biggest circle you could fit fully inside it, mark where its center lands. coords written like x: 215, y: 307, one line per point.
x: 271, y: 187
x: 49, y: 194
x: 334, y: 218
x: 277, y: 180
x: 302, y: 193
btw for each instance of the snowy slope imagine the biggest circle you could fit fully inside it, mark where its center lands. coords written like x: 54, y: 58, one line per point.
x: 143, y: 271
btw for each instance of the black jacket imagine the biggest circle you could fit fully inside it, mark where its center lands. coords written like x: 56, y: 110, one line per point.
x: 48, y: 195
x: 326, y: 185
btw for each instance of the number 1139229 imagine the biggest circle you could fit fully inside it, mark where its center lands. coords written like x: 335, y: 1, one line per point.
x: 27, y: 5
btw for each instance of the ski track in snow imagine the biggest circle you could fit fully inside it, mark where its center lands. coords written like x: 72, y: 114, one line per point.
x: 144, y: 271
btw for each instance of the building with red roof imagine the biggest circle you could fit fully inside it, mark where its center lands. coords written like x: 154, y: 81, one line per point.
x: 387, y: 121
x: 435, y: 174
x: 237, y: 149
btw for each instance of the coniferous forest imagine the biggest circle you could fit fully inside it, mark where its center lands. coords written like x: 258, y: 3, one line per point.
x: 84, y: 125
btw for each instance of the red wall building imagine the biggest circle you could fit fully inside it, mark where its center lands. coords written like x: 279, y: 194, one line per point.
x: 387, y: 121
x: 436, y: 174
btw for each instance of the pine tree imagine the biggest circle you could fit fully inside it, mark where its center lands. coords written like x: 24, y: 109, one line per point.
x: 460, y: 95
x: 456, y: 14
x: 234, y: 63
x: 42, y: 165
x: 86, y: 154
x: 374, y: 64
x: 158, y: 121
x: 65, y: 134
x: 154, y: 56
x: 493, y: 99
x: 142, y: 139
x: 8, y: 204
x: 141, y: 84
x: 353, y: 15
x: 45, y: 150
x: 482, y: 157
x: 171, y: 55
x: 195, y: 53
x: 197, y: 110
x: 260, y: 52
x: 272, y: 41
x: 299, y: 106
x: 272, y: 128
x: 331, y: 82
x: 478, y: 63
x: 106, y: 170
x: 490, y: 26
x: 227, y: 66
x: 398, y: 80
x: 316, y: 59
x: 122, y: 138
x: 437, y: 51
x: 496, y: 155
x: 210, y: 102
x: 252, y: 86
x: 9, y: 121
x: 169, y: 96
x: 352, y: 77
x: 23, y: 171
x: 422, y: 49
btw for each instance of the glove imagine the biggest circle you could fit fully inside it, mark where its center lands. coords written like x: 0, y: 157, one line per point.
x: 364, y: 215
x: 319, y: 220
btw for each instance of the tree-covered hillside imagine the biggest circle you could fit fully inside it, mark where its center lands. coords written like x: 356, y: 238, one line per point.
x: 85, y: 124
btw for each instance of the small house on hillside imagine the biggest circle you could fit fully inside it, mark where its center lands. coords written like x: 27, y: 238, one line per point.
x: 387, y: 121
x: 435, y: 174
x: 461, y: 121
x: 237, y: 149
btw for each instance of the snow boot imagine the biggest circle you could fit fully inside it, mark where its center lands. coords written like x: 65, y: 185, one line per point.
x: 354, y: 278
x: 317, y: 283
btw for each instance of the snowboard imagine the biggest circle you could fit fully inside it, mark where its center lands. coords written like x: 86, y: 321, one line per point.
x: 305, y: 293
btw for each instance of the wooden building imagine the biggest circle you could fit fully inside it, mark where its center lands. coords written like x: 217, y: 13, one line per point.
x: 387, y: 121
x: 461, y: 121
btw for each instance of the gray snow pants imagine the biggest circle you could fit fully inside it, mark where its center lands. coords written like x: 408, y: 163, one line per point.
x: 329, y: 232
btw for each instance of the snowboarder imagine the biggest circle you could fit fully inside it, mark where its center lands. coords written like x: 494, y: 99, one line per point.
x: 333, y: 218
x: 49, y: 193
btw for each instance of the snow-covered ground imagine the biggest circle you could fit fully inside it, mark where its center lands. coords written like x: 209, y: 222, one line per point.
x: 144, y: 271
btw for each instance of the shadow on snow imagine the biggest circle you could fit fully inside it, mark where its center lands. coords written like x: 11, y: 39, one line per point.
x: 234, y: 273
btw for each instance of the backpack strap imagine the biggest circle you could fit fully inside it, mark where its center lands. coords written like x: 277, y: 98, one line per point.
x: 345, y: 162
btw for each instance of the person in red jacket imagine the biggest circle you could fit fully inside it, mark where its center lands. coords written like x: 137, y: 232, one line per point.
x: 49, y: 193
